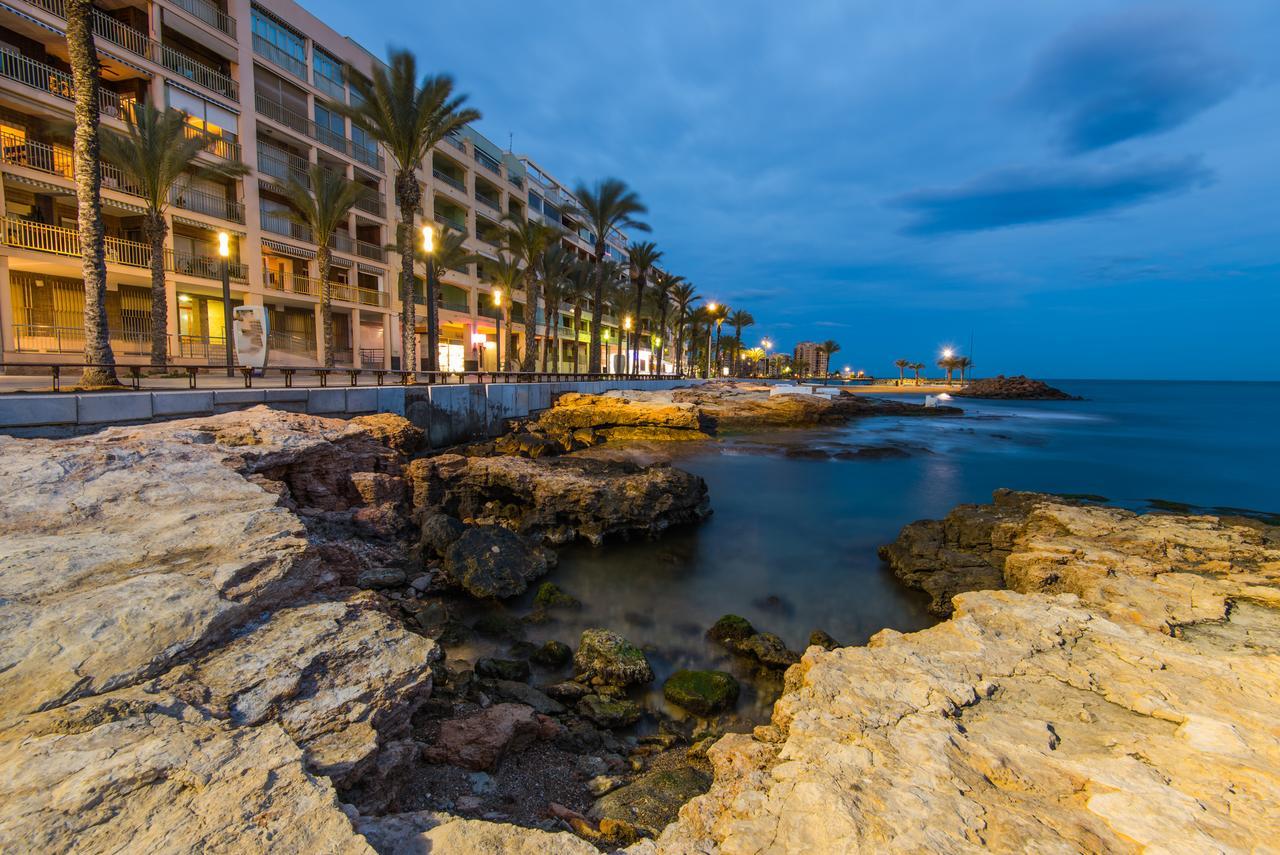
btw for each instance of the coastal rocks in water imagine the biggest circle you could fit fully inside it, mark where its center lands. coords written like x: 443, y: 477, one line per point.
x: 480, y: 740
x: 604, y: 413
x: 1097, y: 705
x: 1019, y: 387
x: 560, y: 499
x: 550, y: 596
x: 738, y: 404
x: 606, y: 658
x: 701, y: 692
x: 492, y: 561
x: 823, y: 639
x: 553, y: 654
x: 438, y: 533
x: 503, y: 669
x: 737, y: 635
x: 609, y: 712
x: 654, y: 799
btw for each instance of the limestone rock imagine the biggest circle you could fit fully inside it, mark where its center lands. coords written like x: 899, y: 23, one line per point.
x: 396, y: 432
x: 606, y: 657
x: 426, y: 831
x: 492, y: 561
x: 438, y: 532
x: 479, y: 741
x: 559, y: 499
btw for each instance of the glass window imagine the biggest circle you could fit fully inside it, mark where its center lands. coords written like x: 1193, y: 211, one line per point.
x: 278, y: 42
x: 329, y: 120
x: 361, y: 138
x: 327, y: 72
x: 535, y: 201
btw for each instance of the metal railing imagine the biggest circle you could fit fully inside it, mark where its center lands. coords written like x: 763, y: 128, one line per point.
x: 372, y: 251
x: 372, y: 203
x: 449, y: 179
x: 488, y: 162
x: 197, y: 72
x: 282, y: 164
x: 372, y: 357
x: 191, y: 199
x: 300, y: 283
x: 46, y: 338
x: 451, y: 223
x: 29, y: 72
x: 210, y: 14
x: 493, y: 204
x: 333, y: 88
x: 23, y: 234
x: 204, y: 266
x: 292, y: 343
x: 456, y: 141
x: 215, y: 145
x: 273, y: 53
x: 277, y: 112
x: 208, y: 347
x: 281, y: 224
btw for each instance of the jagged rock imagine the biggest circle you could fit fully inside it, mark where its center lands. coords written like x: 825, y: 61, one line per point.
x: 1017, y: 387
x: 1098, y: 705
x: 492, y: 561
x: 737, y: 404
x: 439, y: 532
x: 381, y: 577
x: 553, y: 654
x: 701, y: 692
x: 739, y: 636
x: 503, y: 669
x: 427, y: 831
x: 607, y: 658
x: 573, y: 411
x: 396, y: 432
x: 523, y: 693
x: 479, y: 741
x: 568, y: 691
x: 560, y: 499
x: 823, y: 639
x: 609, y: 712
x: 731, y: 628
x: 652, y: 801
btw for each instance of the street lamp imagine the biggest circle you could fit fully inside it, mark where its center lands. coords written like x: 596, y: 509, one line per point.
x: 711, y: 311
x: 604, y: 335
x: 497, y: 301
x: 429, y: 249
x: 626, y: 339
x: 478, y: 342
x: 224, y: 254
x: 768, y: 346
x: 655, y: 363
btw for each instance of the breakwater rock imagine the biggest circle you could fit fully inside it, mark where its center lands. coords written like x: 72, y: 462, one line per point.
x: 1019, y: 387
x: 1118, y: 696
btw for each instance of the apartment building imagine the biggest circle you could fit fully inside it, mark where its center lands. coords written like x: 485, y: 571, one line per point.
x: 254, y: 78
x: 810, y: 358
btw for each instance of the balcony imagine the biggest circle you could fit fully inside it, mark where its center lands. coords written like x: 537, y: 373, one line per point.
x: 56, y: 160
x: 488, y: 162
x: 455, y: 140
x: 190, y: 199
x: 280, y: 223
x: 291, y: 283
x: 274, y: 54
x: 66, y: 242
x: 215, y: 145
x: 36, y: 75
x: 282, y: 164
x: 448, y: 179
x: 451, y: 223
x: 109, y: 29
x: 281, y: 114
x: 371, y: 203
x: 208, y: 13
x: 372, y: 251
x: 489, y: 202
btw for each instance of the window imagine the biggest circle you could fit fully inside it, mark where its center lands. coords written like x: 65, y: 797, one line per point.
x: 535, y: 201
x: 330, y: 123
x: 279, y: 43
x: 360, y: 137
x: 327, y: 73
x: 209, y: 117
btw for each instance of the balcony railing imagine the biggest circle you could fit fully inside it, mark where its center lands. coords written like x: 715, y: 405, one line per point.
x: 455, y: 141
x: 450, y: 180
x: 372, y: 251
x: 285, y: 60
x: 277, y: 112
x: 204, y: 266
x: 456, y: 306
x: 138, y: 42
x: 281, y: 164
x: 333, y: 88
x: 343, y: 242
x: 492, y: 204
x: 210, y: 14
x: 190, y: 199
x: 488, y: 162
x: 292, y: 343
x: 215, y: 145
x: 451, y: 223
x: 299, y: 283
x: 209, y: 347
x: 46, y: 338
x: 280, y: 223
x: 371, y: 203
x: 46, y: 78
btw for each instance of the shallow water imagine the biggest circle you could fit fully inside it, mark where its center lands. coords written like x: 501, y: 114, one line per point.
x: 805, y: 532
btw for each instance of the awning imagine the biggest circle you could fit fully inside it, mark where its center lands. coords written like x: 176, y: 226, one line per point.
x: 335, y: 261
x: 42, y: 186
x: 203, y: 96
x: 178, y: 218
x: 286, y: 249
x: 369, y: 268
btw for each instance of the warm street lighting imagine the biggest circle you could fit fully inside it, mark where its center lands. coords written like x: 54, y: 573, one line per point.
x: 711, y: 307
x: 496, y: 296
x: 947, y: 353
x: 224, y: 245
x: 428, y: 240
x: 626, y: 322
x: 224, y: 253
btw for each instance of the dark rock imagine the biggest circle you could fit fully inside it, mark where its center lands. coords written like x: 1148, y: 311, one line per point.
x: 523, y: 693
x: 522, y: 650
x: 652, y: 801
x: 609, y: 712
x: 550, y: 596
x: 807, y: 453
x: 381, y: 577
x: 875, y: 452
x: 503, y: 669
x: 769, y: 650
x: 608, y: 658
x: 491, y: 561
x: 481, y: 740
x: 731, y: 628
x: 438, y: 532
x: 1019, y: 387
x: 553, y: 654
x: 775, y: 604
x: 701, y: 692
x: 569, y: 691
x: 499, y: 625
x: 821, y: 639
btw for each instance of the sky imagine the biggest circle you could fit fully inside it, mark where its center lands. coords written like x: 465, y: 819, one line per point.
x: 1063, y: 189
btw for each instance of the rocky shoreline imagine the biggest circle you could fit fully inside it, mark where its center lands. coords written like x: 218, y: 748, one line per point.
x: 250, y: 620
x: 1016, y: 388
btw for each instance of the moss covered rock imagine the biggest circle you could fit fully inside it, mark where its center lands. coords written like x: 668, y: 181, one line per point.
x: 553, y: 654
x: 731, y: 628
x: 607, y: 658
x: 609, y: 712
x: 503, y: 669
x: 653, y: 800
x: 701, y: 692
x: 551, y: 596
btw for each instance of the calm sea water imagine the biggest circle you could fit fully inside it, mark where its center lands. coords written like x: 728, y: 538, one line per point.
x: 792, y: 543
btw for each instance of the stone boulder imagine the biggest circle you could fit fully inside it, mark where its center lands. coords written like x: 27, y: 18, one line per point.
x: 492, y: 561
x: 480, y: 741
x: 738, y: 636
x: 1019, y: 387
x: 561, y: 499
x: 701, y: 692
x: 606, y: 658
x: 437, y: 532
x: 609, y: 711
x: 653, y: 800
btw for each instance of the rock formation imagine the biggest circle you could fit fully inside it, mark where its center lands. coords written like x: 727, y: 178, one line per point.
x: 1019, y: 387
x: 1119, y: 697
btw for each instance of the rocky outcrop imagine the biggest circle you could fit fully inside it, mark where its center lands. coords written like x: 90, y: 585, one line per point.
x: 606, y: 658
x: 1019, y: 387
x: 736, y: 405
x: 492, y: 561
x: 562, y: 499
x: 1118, y: 697
x: 181, y: 659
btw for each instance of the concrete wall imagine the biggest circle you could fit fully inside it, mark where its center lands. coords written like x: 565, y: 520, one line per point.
x: 449, y: 414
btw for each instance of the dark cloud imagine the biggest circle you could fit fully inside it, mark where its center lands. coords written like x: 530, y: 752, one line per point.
x: 1129, y: 76
x: 1015, y: 197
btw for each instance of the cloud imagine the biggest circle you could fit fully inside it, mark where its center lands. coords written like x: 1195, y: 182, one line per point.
x: 1128, y: 76
x: 1015, y: 197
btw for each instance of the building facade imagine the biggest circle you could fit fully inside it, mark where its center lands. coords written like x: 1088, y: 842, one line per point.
x: 254, y: 77
x: 810, y: 359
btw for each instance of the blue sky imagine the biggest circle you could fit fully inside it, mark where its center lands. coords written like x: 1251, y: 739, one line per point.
x: 1084, y: 189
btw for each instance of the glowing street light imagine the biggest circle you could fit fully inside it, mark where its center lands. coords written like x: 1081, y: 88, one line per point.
x: 496, y: 296
x: 224, y: 254
x: 947, y: 353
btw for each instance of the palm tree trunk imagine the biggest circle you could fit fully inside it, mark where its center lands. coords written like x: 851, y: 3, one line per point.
x: 662, y: 331
x: 156, y: 229
x: 433, y: 316
x: 323, y: 257
x: 546, y: 325
x: 597, y: 308
x: 83, y: 56
x: 577, y: 325
x: 680, y: 347
x: 635, y: 346
x: 407, y: 197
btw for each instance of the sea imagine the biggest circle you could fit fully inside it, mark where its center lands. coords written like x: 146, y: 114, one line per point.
x: 792, y: 543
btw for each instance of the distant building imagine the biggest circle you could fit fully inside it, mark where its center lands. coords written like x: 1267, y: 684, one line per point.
x: 810, y: 358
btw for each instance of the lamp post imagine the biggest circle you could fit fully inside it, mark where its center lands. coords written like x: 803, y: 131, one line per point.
x: 655, y: 347
x: 627, y: 343
x: 478, y: 341
x: 767, y: 345
x: 711, y: 312
x: 224, y: 254
x: 604, y: 335
x: 502, y: 310
x: 429, y: 249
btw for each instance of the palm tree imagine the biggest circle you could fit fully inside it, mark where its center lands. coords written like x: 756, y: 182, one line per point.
x: 948, y: 363
x: 555, y: 266
x: 717, y: 316
x: 323, y: 206
x: 753, y: 355
x: 902, y: 365
x: 100, y: 368
x: 609, y: 205
x: 683, y: 297
x: 663, y: 284
x: 156, y: 156
x: 917, y: 367
x: 527, y: 241
x: 577, y: 292
x: 615, y: 293
x: 407, y: 118
x: 508, y: 276
x: 739, y: 319
x: 829, y: 347
x: 644, y: 256
x: 964, y: 363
